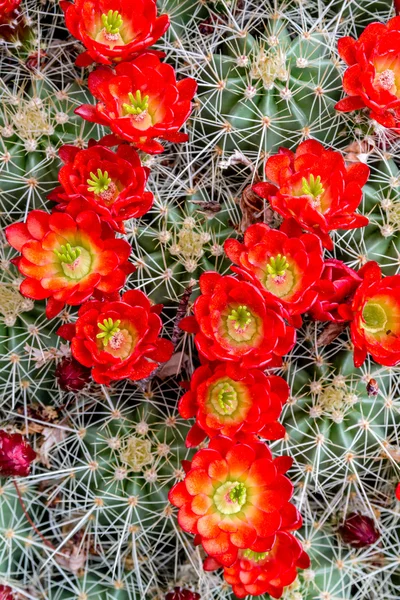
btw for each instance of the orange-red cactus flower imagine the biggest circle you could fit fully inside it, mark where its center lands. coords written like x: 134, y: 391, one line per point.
x: 268, y: 572
x: 375, y: 328
x: 235, y: 497
x: 119, y: 339
x: 283, y: 267
x: 314, y: 187
x: 373, y: 78
x: 226, y: 400
x: 234, y: 322
x: 140, y: 100
x: 67, y: 259
x: 110, y: 183
x: 113, y: 30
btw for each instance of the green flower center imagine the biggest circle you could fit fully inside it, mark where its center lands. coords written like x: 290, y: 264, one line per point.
x: 375, y: 317
x: 227, y: 399
x: 313, y: 187
x: 75, y: 261
x: 241, y: 317
x: 138, y: 105
x: 238, y: 494
x: 255, y: 556
x: 68, y: 254
x: 112, y: 22
x: 98, y: 184
x: 109, y: 333
x: 230, y: 497
x: 277, y: 265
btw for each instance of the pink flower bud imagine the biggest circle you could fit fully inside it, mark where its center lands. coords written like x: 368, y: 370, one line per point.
x: 71, y: 375
x: 16, y: 455
x: 359, y: 531
x: 179, y: 593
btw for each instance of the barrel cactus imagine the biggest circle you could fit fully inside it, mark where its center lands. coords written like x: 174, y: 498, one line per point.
x: 86, y: 507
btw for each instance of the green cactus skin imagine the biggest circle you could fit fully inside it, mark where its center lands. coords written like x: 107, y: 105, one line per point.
x: 259, y: 93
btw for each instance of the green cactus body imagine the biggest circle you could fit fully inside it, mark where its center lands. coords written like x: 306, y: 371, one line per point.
x: 184, y: 16
x: 180, y: 243
x: 259, y: 93
x: 378, y: 241
x: 127, y: 465
x: 13, y: 527
x: 29, y: 349
x: 332, y: 424
x: 34, y: 124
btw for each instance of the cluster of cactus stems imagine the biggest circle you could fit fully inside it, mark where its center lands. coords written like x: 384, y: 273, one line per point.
x: 90, y: 516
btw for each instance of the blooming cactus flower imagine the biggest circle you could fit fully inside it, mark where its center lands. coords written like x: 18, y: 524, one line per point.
x: 140, y: 100
x: 118, y: 340
x: 225, y: 400
x: 373, y: 77
x: 234, y: 322
x: 112, y: 183
x: 67, y: 259
x: 113, y: 30
x: 335, y: 290
x: 235, y: 497
x: 16, y: 455
x: 316, y: 188
x: 282, y: 267
x: 375, y: 327
x: 359, y: 531
x: 268, y: 572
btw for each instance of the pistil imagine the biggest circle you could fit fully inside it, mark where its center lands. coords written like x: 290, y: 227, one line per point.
x: 138, y: 106
x: 110, y: 333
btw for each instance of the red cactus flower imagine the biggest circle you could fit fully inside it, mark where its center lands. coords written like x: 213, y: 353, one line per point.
x: 72, y: 376
x: 113, y: 30
x: 225, y: 400
x: 335, y: 292
x: 235, y: 496
x: 67, y: 259
x: 284, y: 268
x: 179, y: 593
x: 268, y: 572
x: 375, y: 328
x: 140, y: 100
x: 234, y: 322
x: 112, y: 183
x: 6, y: 593
x: 373, y: 77
x: 398, y: 491
x: 314, y: 187
x: 118, y: 340
x: 7, y: 7
x: 16, y: 455
x: 359, y: 531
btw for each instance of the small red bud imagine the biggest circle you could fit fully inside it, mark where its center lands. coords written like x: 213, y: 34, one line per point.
x: 71, y: 375
x: 358, y: 531
x: 6, y: 593
x: 16, y: 455
x: 179, y: 593
x: 372, y: 387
